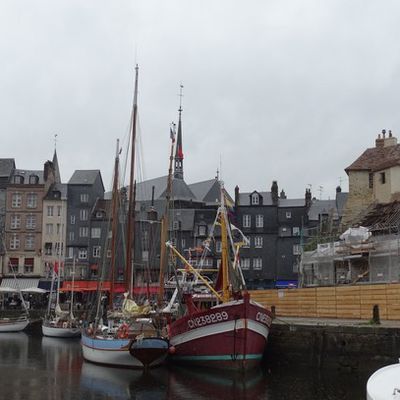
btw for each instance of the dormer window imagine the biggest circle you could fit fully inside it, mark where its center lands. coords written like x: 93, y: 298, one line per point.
x: 255, y: 199
x: 18, y: 179
x: 33, y: 179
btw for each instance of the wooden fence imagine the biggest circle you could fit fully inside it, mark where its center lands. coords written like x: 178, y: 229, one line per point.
x: 355, y: 302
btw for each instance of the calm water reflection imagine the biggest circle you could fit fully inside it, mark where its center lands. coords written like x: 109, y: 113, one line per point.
x: 34, y: 367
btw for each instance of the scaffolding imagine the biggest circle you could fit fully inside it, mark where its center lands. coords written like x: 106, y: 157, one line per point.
x: 371, y: 259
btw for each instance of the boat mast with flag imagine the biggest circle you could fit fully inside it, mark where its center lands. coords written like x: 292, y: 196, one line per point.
x: 232, y: 334
x: 131, y: 337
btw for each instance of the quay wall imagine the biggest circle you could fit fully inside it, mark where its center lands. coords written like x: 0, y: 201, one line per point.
x: 357, y: 348
x: 352, y: 302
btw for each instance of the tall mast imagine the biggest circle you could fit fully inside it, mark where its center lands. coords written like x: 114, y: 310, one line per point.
x: 224, y: 250
x: 131, y: 205
x: 115, y: 201
x: 165, y: 220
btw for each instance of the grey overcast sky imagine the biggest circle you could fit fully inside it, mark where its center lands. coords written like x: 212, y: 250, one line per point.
x: 282, y: 90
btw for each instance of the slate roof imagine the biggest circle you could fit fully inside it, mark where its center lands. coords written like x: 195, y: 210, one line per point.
x: 244, y: 200
x: 376, y: 159
x: 6, y: 166
x: 319, y: 207
x: 60, y: 187
x: 84, y: 177
x: 143, y: 189
x: 27, y: 173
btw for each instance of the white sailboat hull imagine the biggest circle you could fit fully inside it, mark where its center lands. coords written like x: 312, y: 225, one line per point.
x: 60, y: 332
x: 9, y: 325
x: 384, y: 384
x: 115, y: 352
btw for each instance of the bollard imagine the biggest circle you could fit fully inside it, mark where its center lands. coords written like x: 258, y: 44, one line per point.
x: 375, y: 314
x: 273, y: 312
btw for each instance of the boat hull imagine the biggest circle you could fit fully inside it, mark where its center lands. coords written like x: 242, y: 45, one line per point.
x: 232, y: 335
x: 384, y: 383
x: 116, y: 352
x: 60, y: 332
x: 13, y: 325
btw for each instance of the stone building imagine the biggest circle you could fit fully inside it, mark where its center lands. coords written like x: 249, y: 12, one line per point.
x: 374, y: 177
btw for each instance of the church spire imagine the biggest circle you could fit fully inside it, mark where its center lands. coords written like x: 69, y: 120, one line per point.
x: 57, y: 176
x: 178, y: 172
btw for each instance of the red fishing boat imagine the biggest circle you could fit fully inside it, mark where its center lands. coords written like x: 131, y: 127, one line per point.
x: 232, y: 334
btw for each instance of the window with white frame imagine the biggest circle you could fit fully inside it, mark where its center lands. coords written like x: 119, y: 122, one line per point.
x: 246, y: 221
x: 31, y: 200
x: 84, y: 197
x: 245, y: 263
x: 59, y: 246
x: 59, y: 209
x: 296, y: 231
x: 33, y: 179
x: 202, y: 230
x: 258, y: 242
x: 183, y: 243
x: 296, y: 249
x: 109, y: 253
x: 72, y: 236
x: 259, y: 221
x: 83, y: 214
x: 288, y: 215
x: 82, y: 254
x: 49, y: 229
x: 257, y: 263
x: 28, y: 265
x: 70, y: 252
x: 96, y: 251
x: 255, y: 199
x: 218, y: 246
x: 15, y: 221
x: 83, y: 231
x: 29, y: 242
x: 30, y: 221
x: 14, y: 242
x: 16, y: 200
x: 72, y: 218
x: 58, y: 227
x: 96, y: 233
x: 50, y: 211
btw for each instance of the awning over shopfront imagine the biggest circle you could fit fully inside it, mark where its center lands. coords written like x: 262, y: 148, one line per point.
x: 92, y: 286
x: 23, y: 284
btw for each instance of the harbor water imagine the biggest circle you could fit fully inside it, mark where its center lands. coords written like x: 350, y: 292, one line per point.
x: 42, y: 368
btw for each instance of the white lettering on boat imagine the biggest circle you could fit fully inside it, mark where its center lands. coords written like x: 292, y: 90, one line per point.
x: 263, y: 318
x: 207, y: 319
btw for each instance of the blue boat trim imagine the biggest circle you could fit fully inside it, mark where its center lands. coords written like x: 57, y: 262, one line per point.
x: 222, y: 357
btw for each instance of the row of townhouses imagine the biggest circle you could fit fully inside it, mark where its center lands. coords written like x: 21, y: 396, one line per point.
x: 46, y: 224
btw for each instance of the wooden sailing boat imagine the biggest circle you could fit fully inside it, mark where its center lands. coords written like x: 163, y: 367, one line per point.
x: 232, y: 334
x: 131, y: 338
